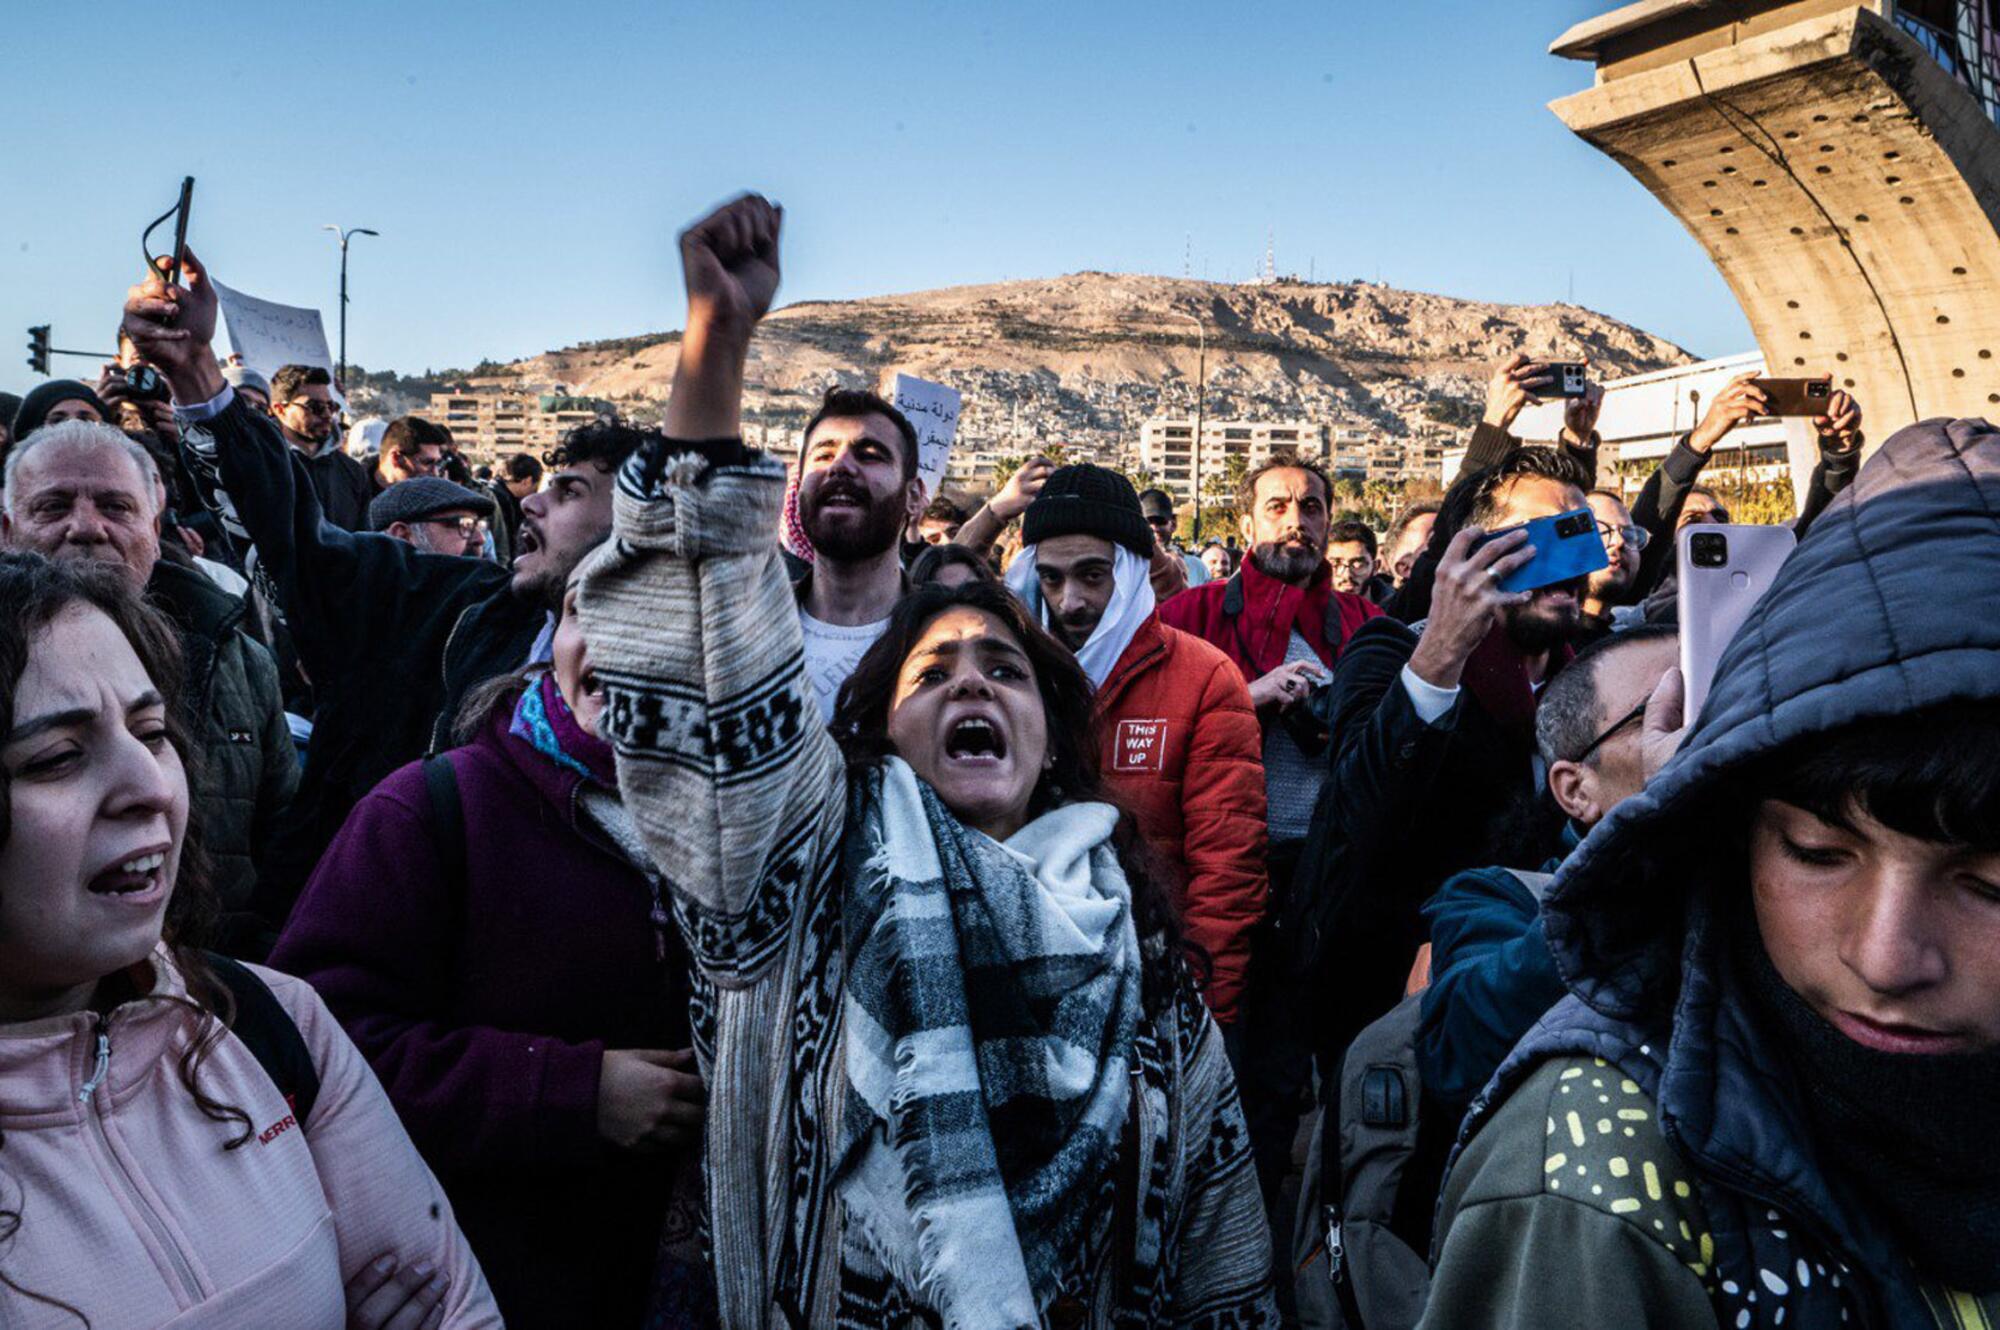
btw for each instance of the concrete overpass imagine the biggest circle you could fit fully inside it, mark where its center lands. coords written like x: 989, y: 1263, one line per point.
x: 1840, y: 163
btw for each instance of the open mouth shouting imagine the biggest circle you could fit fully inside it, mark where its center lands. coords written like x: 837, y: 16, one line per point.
x: 975, y: 742
x: 136, y: 879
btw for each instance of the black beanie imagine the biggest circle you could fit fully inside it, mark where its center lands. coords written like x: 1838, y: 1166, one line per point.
x: 1085, y: 500
x: 42, y: 399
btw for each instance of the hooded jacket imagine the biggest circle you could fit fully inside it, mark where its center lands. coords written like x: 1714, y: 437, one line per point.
x: 1181, y: 751
x: 248, y: 769
x: 132, y: 1211
x: 1642, y: 1145
x: 486, y: 1006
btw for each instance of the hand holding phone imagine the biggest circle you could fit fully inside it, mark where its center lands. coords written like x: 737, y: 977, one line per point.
x: 1740, y: 400
x: 1796, y: 397
x: 1722, y: 572
x: 1566, y: 546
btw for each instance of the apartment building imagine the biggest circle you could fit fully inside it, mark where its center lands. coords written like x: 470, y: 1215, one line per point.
x: 1167, y: 451
x: 490, y: 426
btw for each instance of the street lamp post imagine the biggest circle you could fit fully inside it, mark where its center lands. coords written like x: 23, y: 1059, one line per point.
x: 1200, y: 404
x: 340, y: 375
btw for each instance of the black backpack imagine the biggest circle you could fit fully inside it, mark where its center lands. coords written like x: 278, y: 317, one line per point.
x: 1357, y: 1263
x: 267, y: 1029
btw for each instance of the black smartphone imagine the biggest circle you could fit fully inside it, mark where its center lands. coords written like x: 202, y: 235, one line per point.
x: 181, y: 231
x: 1569, y: 377
x: 1796, y: 397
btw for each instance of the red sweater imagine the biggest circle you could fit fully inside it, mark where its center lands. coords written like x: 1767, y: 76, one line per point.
x: 1182, y: 751
x: 1251, y: 617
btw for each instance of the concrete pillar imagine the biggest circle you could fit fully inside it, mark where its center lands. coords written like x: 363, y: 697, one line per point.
x: 1848, y: 189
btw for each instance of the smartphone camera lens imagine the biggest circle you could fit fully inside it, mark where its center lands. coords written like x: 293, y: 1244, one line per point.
x: 1708, y: 549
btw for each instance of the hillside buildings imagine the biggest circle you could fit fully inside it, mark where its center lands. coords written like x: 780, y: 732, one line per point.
x: 490, y: 426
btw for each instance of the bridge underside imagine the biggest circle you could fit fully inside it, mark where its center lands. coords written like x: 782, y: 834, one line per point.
x: 1847, y: 188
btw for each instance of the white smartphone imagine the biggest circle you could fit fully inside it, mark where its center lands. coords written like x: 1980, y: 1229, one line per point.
x: 1722, y: 572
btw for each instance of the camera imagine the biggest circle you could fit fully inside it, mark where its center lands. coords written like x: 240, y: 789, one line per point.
x: 147, y: 384
x: 1575, y: 524
x: 1569, y: 378
x: 1708, y: 549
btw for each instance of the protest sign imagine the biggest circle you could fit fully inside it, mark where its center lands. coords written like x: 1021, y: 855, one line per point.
x: 933, y: 412
x: 269, y: 336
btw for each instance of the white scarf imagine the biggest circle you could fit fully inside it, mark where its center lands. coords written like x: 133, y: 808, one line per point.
x: 1131, y: 602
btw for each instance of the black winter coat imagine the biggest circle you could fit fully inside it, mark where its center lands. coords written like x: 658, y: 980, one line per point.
x: 1405, y: 806
x: 246, y: 769
x: 392, y: 637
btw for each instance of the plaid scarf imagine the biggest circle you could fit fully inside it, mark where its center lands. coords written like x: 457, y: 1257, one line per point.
x: 992, y: 1003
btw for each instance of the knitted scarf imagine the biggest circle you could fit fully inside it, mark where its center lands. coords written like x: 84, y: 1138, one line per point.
x: 544, y: 719
x: 793, y: 533
x: 992, y: 1002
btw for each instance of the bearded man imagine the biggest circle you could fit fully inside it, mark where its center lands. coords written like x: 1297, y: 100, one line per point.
x: 858, y: 490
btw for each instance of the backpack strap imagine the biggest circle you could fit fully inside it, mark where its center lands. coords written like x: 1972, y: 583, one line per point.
x: 1536, y: 883
x: 447, y: 816
x: 271, y: 1035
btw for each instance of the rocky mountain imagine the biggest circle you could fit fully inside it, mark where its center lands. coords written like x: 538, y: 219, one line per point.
x: 1084, y: 359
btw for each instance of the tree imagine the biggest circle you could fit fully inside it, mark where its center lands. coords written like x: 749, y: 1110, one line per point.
x: 1453, y: 411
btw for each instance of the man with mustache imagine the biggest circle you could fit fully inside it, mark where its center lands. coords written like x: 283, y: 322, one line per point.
x: 1179, y: 735
x: 392, y: 637
x: 858, y: 491
x: 1283, y: 624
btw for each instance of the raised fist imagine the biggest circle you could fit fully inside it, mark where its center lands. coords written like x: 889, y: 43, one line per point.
x: 730, y: 262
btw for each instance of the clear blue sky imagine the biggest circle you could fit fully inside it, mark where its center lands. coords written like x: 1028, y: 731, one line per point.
x: 529, y: 165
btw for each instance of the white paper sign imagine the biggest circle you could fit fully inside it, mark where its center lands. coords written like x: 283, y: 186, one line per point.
x: 270, y: 336
x: 933, y: 412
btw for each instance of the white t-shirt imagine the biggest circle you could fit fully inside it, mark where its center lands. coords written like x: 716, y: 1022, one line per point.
x: 832, y: 652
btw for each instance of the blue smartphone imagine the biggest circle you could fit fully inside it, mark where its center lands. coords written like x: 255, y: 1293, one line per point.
x: 1566, y: 547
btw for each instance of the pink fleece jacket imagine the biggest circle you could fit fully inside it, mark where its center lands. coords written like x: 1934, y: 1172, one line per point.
x: 132, y: 1211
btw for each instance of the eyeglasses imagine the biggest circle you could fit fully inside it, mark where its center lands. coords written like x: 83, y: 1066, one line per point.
x: 1353, y: 565
x: 312, y: 406
x: 1635, y: 537
x: 1635, y: 714
x: 469, y: 528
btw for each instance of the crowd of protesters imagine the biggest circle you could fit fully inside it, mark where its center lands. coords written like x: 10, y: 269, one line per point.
x: 652, y: 885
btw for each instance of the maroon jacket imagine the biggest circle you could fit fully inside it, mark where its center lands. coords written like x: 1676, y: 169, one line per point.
x: 1251, y: 617
x: 485, y: 1007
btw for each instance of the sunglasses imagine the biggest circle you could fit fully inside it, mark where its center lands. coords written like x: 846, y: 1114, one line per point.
x: 314, y: 407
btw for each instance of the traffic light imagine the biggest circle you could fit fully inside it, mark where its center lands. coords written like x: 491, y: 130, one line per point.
x: 38, y: 349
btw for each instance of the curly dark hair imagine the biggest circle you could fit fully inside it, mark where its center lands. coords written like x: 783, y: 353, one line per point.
x: 34, y: 592
x: 603, y: 443
x: 861, y: 724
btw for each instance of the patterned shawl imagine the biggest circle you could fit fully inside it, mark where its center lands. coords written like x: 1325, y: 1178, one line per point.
x: 991, y: 1008
x: 544, y: 719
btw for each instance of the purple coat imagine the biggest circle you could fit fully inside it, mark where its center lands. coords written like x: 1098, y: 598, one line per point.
x: 485, y: 1008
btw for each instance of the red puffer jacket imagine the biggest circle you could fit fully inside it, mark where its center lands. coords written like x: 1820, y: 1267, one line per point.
x: 1251, y: 617
x: 1182, y: 750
